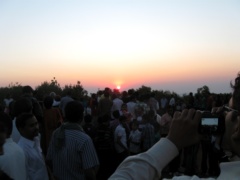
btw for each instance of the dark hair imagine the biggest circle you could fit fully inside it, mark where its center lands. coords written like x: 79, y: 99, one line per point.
x: 57, y: 98
x: 48, y: 101
x: 7, y: 122
x: 21, y: 119
x: 103, y: 118
x: 132, y: 97
x: 236, y: 92
x: 74, y: 111
x: 116, y: 114
x: 145, y: 117
x: 22, y: 105
x: 135, y: 122
x: 122, y: 118
x: 88, y: 118
x: 106, y: 94
x: 27, y: 89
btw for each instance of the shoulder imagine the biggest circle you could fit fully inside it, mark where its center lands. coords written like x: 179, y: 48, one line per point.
x: 119, y: 128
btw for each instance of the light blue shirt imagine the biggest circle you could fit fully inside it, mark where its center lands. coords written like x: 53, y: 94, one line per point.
x: 12, y: 162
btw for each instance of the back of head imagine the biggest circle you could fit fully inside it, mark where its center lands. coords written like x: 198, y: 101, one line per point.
x: 106, y: 94
x: 122, y: 119
x: 132, y: 97
x: 48, y: 101
x: 114, y: 96
x: 88, y: 118
x: 116, y: 114
x: 22, y: 105
x: 7, y: 122
x: 57, y: 98
x: 27, y: 89
x: 151, y: 113
x: 74, y: 111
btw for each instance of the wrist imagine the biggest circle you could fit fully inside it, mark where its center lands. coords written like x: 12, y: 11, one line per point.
x: 175, y: 142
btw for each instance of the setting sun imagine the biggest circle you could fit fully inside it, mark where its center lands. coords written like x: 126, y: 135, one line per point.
x: 165, y: 45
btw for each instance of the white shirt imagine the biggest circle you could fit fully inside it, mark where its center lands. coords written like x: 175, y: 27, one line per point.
x: 149, y: 165
x: 15, y: 133
x: 131, y: 108
x: 12, y: 162
x: 117, y: 104
x: 63, y: 103
x: 120, y: 131
x: 163, y: 102
x: 135, y: 136
x: 7, y: 101
x: 172, y: 101
x: 55, y: 103
x: 35, y: 164
x: 158, y: 119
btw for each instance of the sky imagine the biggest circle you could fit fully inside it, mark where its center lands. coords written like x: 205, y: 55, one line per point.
x: 175, y: 45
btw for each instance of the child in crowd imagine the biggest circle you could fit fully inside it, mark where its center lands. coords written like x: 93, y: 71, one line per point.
x: 135, y: 138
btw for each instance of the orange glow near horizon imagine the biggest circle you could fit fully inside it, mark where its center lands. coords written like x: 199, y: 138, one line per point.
x: 125, y: 44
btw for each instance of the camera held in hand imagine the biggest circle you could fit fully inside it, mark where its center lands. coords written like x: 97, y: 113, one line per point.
x: 211, y: 123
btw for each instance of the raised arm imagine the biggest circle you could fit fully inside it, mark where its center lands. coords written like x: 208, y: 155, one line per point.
x: 149, y: 165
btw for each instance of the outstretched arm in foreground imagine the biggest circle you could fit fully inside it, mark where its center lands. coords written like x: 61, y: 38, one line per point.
x: 149, y: 165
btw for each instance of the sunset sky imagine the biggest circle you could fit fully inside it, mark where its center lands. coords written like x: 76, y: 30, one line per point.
x: 176, y: 45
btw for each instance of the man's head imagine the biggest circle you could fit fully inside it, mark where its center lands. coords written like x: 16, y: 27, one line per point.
x: 27, y: 125
x: 74, y: 112
x: 48, y: 101
x: 116, y: 114
x: 232, y: 120
x: 27, y: 90
x: 88, y: 119
x: 122, y: 119
x: 135, y: 124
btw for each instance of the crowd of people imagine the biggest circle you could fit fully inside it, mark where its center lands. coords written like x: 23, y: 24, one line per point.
x: 116, y: 136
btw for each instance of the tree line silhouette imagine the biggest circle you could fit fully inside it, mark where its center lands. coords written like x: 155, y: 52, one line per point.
x: 79, y: 93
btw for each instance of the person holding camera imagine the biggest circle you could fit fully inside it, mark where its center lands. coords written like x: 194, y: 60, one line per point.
x: 184, y: 132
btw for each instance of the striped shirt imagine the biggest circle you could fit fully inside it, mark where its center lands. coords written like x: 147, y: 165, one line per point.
x: 148, y: 136
x: 76, y: 155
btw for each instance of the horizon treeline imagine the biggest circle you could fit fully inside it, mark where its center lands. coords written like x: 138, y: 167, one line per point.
x: 79, y: 93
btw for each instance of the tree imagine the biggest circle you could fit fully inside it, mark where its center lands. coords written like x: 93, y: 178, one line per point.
x: 77, y: 91
x: 144, y: 90
x: 47, y: 87
x: 13, y: 89
x: 203, y: 90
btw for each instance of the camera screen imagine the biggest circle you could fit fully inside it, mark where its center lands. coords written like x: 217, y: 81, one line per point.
x: 209, y: 121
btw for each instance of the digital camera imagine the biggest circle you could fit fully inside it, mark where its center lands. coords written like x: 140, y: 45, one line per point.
x: 211, y: 123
